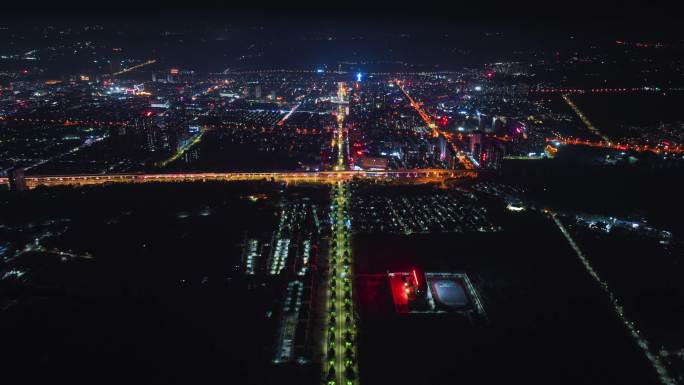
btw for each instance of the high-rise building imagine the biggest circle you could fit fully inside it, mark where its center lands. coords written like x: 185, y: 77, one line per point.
x: 475, y: 140
x: 257, y: 91
x: 172, y: 76
x: 16, y: 179
x: 492, y: 155
x: 245, y: 91
x: 488, y: 152
x: 152, y: 134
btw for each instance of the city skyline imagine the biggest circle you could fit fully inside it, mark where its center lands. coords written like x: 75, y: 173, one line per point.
x: 339, y: 194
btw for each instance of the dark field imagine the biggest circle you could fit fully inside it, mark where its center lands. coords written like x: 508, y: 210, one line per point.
x: 155, y: 288
x: 612, y: 113
x: 548, y: 322
x: 649, y: 189
x: 645, y: 276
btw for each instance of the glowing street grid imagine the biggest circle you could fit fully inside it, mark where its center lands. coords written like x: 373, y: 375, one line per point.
x: 340, y: 352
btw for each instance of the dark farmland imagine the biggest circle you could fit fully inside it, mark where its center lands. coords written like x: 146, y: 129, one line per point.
x: 161, y: 299
x: 548, y: 322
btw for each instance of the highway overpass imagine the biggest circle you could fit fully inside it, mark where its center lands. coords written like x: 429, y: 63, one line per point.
x: 408, y: 176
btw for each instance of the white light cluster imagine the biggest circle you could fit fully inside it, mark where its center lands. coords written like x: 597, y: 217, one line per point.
x: 305, y: 257
x: 251, y: 254
x: 280, y: 254
x: 288, y: 324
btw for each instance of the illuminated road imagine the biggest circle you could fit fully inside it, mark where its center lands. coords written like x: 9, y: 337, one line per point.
x: 66, y: 122
x: 287, y: 116
x: 193, y: 141
x: 675, y: 149
x: 423, y: 115
x: 634, y: 331
x: 135, y: 67
x: 340, y: 351
x: 614, y: 90
x: 340, y: 139
x: 664, y: 147
x: 325, y: 177
x: 584, y: 119
x: 340, y: 143
x: 436, y: 132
